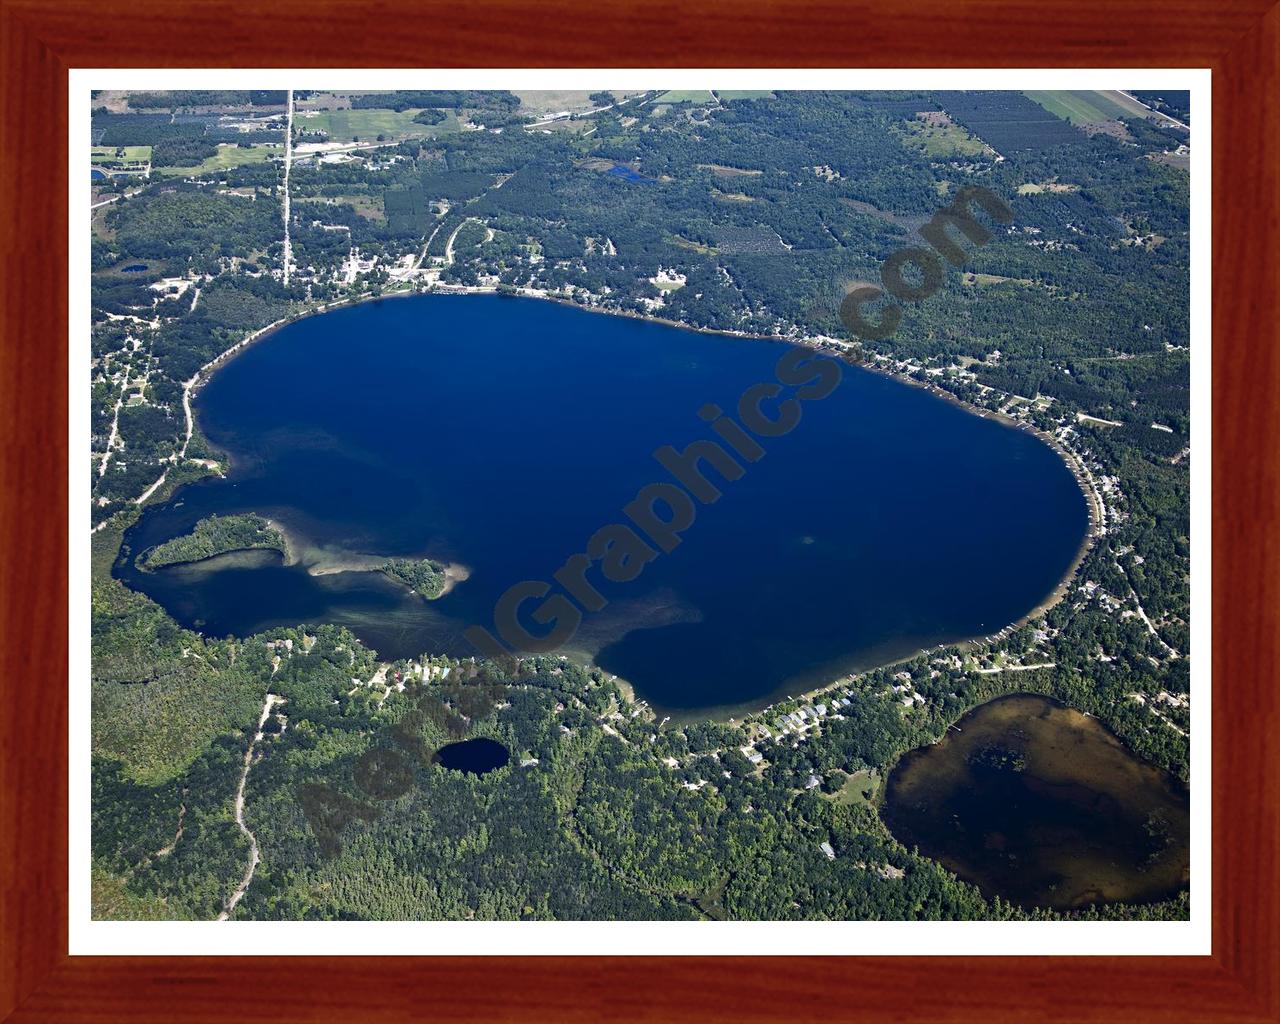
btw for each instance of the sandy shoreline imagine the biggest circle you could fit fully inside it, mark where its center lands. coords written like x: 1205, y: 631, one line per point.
x: 321, y: 561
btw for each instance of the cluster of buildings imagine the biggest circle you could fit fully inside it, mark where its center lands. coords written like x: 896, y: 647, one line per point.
x: 800, y: 721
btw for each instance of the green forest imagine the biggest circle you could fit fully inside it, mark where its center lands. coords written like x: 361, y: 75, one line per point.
x: 216, y: 535
x: 421, y: 575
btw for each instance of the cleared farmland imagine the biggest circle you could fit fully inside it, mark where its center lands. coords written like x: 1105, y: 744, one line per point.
x: 125, y: 154
x: 1008, y: 121
x: 1083, y: 107
x: 228, y: 156
x: 366, y: 124
x: 686, y: 96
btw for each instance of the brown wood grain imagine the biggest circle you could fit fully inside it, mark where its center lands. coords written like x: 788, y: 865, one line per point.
x: 39, y: 41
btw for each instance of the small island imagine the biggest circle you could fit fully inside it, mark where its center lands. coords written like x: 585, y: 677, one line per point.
x: 424, y: 577
x: 216, y: 535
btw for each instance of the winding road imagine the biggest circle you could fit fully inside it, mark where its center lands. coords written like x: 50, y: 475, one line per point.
x: 254, y: 858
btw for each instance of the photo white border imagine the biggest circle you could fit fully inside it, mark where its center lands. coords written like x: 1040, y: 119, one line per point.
x: 732, y: 938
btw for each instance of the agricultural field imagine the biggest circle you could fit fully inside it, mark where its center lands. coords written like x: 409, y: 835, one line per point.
x: 1009, y: 122
x: 121, y: 154
x: 228, y: 156
x: 1082, y: 107
x: 756, y: 241
x: 322, y: 101
x: 365, y: 125
x: 686, y: 96
x: 729, y: 95
x: 541, y: 103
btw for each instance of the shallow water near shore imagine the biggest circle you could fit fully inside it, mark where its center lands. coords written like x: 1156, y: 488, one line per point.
x: 1043, y: 806
x: 499, y: 434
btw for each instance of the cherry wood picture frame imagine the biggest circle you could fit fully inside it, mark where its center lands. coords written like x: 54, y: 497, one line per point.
x: 40, y: 40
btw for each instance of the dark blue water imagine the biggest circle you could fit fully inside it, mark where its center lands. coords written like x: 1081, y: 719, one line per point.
x: 478, y: 756
x: 97, y: 175
x: 501, y: 433
x: 135, y: 268
x: 627, y: 174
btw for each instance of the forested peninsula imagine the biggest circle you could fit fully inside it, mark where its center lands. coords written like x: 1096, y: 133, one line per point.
x: 216, y: 535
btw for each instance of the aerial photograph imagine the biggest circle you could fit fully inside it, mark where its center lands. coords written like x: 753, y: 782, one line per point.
x: 619, y: 505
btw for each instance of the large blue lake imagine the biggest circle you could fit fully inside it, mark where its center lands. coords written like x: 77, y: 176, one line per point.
x: 501, y: 433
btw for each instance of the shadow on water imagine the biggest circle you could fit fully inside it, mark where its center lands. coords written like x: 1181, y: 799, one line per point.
x: 1043, y: 806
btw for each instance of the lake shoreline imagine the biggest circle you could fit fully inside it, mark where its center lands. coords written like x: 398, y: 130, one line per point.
x: 819, y: 344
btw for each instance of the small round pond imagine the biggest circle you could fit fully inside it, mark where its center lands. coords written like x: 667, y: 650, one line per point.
x: 478, y: 756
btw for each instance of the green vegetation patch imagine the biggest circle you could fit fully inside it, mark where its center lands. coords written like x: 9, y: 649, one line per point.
x: 216, y: 535
x: 1083, y: 107
x: 862, y: 787
x: 179, y: 223
x: 366, y: 125
x: 686, y: 96
x: 935, y: 134
x: 471, y: 234
x: 421, y: 575
x: 229, y: 155
x: 109, y: 155
x: 159, y: 693
x: 112, y: 901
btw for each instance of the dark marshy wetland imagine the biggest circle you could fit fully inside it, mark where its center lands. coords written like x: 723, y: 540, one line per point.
x: 1041, y: 805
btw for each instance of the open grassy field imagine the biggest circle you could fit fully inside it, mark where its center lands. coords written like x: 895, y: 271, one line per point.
x: 132, y: 154
x: 1032, y: 188
x: 228, y: 155
x: 1172, y: 160
x: 685, y: 96
x: 861, y: 787
x: 1127, y: 103
x: 1082, y: 107
x: 540, y: 103
x: 324, y: 101
x: 99, y: 225
x: 937, y: 135
x: 744, y: 94
x: 367, y: 125
x: 985, y: 280
x: 729, y: 172
x: 365, y: 205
